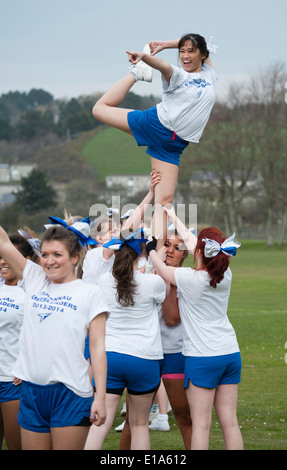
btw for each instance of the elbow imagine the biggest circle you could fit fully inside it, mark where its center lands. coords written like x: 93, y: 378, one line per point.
x: 172, y: 321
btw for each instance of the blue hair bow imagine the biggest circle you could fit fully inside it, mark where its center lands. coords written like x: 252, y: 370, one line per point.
x: 81, y: 229
x: 134, y: 241
x: 228, y: 247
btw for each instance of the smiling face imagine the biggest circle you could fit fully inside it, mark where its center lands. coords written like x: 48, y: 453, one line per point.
x: 7, y: 274
x: 190, y: 57
x: 174, y: 252
x: 57, y: 263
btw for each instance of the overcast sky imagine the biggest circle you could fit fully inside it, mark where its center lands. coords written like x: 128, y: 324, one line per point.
x: 77, y: 47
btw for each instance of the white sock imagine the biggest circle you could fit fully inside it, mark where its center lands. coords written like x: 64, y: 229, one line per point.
x: 162, y: 417
x: 134, y: 70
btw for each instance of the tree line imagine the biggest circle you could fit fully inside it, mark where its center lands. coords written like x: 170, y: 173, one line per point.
x: 26, y: 116
x: 242, y: 154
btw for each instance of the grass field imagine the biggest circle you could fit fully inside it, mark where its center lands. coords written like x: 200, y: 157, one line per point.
x: 258, y: 312
x: 111, y: 150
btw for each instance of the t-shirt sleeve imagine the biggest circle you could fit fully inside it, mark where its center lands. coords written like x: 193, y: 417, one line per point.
x: 209, y: 73
x: 186, y: 283
x: 94, y: 265
x: 178, y: 77
x: 98, y: 303
x: 159, y: 288
x: 33, y: 276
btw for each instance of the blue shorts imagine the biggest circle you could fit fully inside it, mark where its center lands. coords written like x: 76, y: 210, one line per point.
x: 43, y: 407
x: 9, y: 391
x: 161, y: 143
x: 138, y: 375
x: 172, y: 366
x: 209, y: 372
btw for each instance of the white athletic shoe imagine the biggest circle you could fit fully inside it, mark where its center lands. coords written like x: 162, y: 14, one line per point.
x: 159, y: 425
x: 120, y: 427
x: 144, y: 71
x: 124, y: 409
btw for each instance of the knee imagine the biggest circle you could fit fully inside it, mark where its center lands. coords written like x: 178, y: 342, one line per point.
x: 96, y: 110
x: 165, y: 199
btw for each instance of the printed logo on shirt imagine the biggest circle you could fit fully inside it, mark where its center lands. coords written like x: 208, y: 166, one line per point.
x: 6, y: 302
x: 199, y: 83
x: 48, y: 304
x: 43, y: 316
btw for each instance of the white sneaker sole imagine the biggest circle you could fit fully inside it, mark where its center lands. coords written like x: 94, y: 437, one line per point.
x: 145, y: 71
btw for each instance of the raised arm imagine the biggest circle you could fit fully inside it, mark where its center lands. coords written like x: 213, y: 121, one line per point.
x: 166, y: 272
x: 189, y: 239
x: 157, y: 46
x: 134, y: 221
x: 155, y: 62
x: 12, y: 256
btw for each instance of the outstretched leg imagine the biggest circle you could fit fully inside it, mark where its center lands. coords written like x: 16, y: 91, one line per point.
x: 106, y: 109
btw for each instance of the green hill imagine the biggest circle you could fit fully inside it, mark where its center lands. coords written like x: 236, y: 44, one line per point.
x: 113, y: 152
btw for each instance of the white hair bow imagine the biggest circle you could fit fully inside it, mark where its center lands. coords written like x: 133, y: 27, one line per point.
x: 211, y: 47
x: 112, y: 210
x: 228, y: 247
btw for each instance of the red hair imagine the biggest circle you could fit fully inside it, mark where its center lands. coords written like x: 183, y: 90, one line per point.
x: 217, y: 265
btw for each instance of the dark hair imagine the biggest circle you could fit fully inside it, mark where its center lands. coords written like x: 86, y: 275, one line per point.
x: 123, y: 272
x: 24, y: 247
x: 217, y: 265
x: 198, y: 42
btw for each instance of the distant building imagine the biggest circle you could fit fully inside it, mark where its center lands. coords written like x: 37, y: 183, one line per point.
x: 133, y: 184
x: 11, y: 173
x: 10, y: 176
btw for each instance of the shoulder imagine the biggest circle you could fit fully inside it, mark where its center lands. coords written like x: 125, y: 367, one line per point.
x: 209, y: 72
x: 94, y: 253
x: 186, y: 276
x: 32, y: 271
x: 178, y: 77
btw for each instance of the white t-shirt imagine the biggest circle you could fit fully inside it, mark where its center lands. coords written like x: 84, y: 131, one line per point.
x: 55, y: 325
x: 12, y: 299
x: 171, y: 336
x: 135, y: 330
x: 187, y: 102
x: 203, y: 310
x: 95, y: 265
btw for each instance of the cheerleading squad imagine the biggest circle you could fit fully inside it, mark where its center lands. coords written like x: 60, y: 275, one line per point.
x: 96, y: 309
x: 147, y: 318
